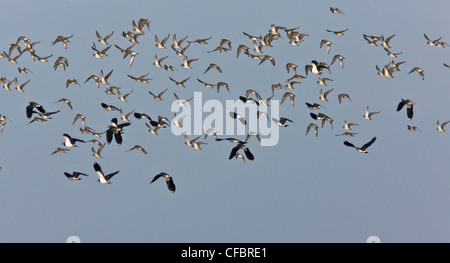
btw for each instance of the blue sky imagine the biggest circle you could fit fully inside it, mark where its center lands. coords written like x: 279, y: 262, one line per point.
x: 304, y: 189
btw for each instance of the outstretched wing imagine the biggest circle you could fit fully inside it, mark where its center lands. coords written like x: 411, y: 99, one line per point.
x: 118, y: 138
x: 109, y: 135
x: 109, y: 176
x: 156, y: 177
x: 349, y: 144
x: 233, y: 152
x: 365, y: 146
x: 400, y: 105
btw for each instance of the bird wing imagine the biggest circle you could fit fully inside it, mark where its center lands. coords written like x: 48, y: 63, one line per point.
x: 233, y: 152
x: 109, y: 176
x: 400, y: 105
x: 365, y: 146
x: 327, y: 92
x: 349, y: 144
x: 156, y: 177
x: 118, y: 138
x: 109, y: 135
x: 443, y: 124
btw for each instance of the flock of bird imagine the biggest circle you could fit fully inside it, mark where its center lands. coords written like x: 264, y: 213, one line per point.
x: 255, y: 50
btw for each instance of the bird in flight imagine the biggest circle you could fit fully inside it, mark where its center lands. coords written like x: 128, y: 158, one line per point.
x: 74, y: 176
x: 70, y: 141
x: 368, y: 115
x: 419, y: 70
x: 312, y: 126
x: 282, y: 121
x: 336, y: 10
x: 441, y: 127
x: 169, y: 181
x: 115, y: 130
x: 247, y: 152
x: 31, y: 106
x: 102, y: 178
x: 363, y: 148
x: 409, y: 107
x: 338, y: 32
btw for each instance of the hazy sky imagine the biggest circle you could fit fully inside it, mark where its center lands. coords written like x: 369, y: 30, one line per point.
x: 304, y: 189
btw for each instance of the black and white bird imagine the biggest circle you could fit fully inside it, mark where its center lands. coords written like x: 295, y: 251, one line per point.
x: 109, y: 107
x: 247, y: 100
x: 115, y: 130
x: 409, y: 107
x: 74, y: 176
x: 102, y: 178
x: 247, y: 152
x: 363, y: 148
x: 313, y: 106
x: 31, y: 106
x: 282, y: 121
x: 70, y: 142
x: 169, y: 181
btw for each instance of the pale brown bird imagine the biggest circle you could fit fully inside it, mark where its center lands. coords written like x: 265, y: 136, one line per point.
x: 222, y: 84
x: 161, y: 44
x: 202, y: 41
x: 326, y: 42
x: 342, y: 96
x: 336, y: 10
x: 62, y: 39
x: 340, y: 58
x: 291, y: 65
x: 315, y: 127
x: 159, y: 96
x: 180, y: 83
x: 368, y: 115
x: 291, y: 96
x: 323, y: 96
x: 419, y: 70
x: 208, y: 85
x: 141, y: 78
x: 348, y: 126
x: 441, y: 127
x: 177, y: 44
x: 338, y: 32
x: 72, y: 81
x: 137, y: 147
x: 187, y: 63
x: 157, y: 61
x: 349, y: 134
x: 267, y: 57
x: 81, y: 117
x: 212, y: 65
x: 124, y: 97
x: 385, y: 42
x: 240, y: 48
x: 69, y: 104
x: 103, y: 40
